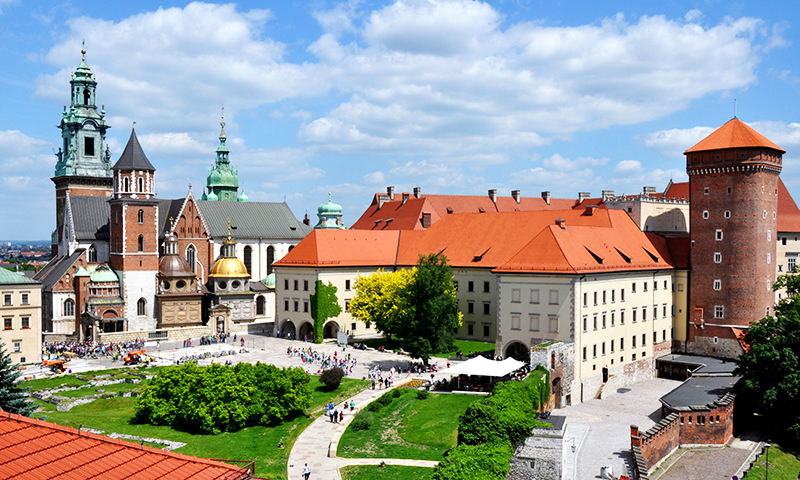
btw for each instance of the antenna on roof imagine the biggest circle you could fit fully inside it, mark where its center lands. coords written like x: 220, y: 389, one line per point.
x: 734, y: 108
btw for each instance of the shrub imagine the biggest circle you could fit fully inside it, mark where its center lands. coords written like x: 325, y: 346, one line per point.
x: 374, y: 406
x: 384, y: 400
x: 362, y: 421
x: 423, y: 394
x: 396, y: 393
x: 475, y: 462
x: 332, y: 378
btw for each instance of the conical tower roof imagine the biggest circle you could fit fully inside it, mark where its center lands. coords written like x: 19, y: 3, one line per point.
x: 734, y: 134
x: 133, y: 158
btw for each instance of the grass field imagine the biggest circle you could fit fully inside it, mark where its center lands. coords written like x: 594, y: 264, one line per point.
x: 783, y: 465
x: 409, y: 428
x: 465, y: 346
x: 390, y: 472
x: 254, y: 443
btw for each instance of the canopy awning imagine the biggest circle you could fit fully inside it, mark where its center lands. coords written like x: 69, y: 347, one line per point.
x: 485, y: 367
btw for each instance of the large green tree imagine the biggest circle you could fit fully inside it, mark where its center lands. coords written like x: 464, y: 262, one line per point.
x: 771, y: 368
x: 379, y: 300
x: 13, y: 397
x: 431, y: 309
x: 324, y: 305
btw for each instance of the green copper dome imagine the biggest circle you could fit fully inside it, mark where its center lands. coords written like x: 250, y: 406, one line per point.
x: 243, y: 198
x: 212, y: 197
x: 223, y: 179
x: 81, y: 272
x: 103, y: 274
x: 330, y: 215
x: 269, y: 281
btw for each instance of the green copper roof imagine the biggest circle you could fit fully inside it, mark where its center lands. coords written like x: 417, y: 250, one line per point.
x: 243, y: 198
x: 103, y: 274
x: 330, y: 215
x: 81, y: 272
x: 269, y: 281
x: 7, y: 277
x: 223, y: 178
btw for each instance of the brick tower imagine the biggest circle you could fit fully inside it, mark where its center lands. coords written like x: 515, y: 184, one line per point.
x: 733, y: 179
x: 134, y: 234
x: 84, y: 162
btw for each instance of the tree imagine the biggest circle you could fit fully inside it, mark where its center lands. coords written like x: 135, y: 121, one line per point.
x: 13, y: 397
x: 324, y: 305
x: 430, y: 308
x: 771, y: 368
x: 379, y: 300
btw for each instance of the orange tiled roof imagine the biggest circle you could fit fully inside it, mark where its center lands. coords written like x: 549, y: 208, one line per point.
x: 32, y: 448
x: 788, y: 213
x: 343, y: 248
x: 741, y: 334
x: 677, y: 190
x: 734, y: 134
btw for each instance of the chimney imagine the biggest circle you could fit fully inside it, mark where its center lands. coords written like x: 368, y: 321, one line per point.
x: 649, y: 190
x: 546, y: 196
x: 426, y: 220
x: 417, y: 192
x: 515, y: 194
x: 493, y: 194
x: 583, y: 196
x: 306, y: 220
x: 406, y: 196
x: 561, y: 223
x: 390, y: 191
x: 608, y: 194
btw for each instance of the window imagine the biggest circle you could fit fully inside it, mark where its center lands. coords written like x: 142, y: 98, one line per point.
x: 534, y: 323
x: 486, y: 330
x: 612, y: 347
x: 613, y: 313
x: 553, y: 297
x: 470, y: 329
x: 655, y: 312
x: 645, y: 287
x: 515, y: 295
x: 515, y: 322
x: 553, y: 324
x: 622, y: 317
x: 604, y: 319
x: 705, y: 191
x: 346, y: 306
x: 644, y: 314
x: 664, y: 314
x: 69, y: 307
x: 644, y: 339
x: 191, y: 256
x: 655, y: 285
x: 456, y: 285
x: 585, y: 323
x: 655, y: 337
x: 7, y: 323
x: 717, y: 257
x: 470, y: 286
x: 594, y: 351
x: 141, y: 243
x: 633, y: 341
x: 26, y: 322
x: 260, y: 305
x: 603, y: 349
x: 485, y: 287
x: 286, y: 284
x: 305, y: 285
x: 769, y: 258
x: 612, y: 295
x: 140, y: 182
x: 705, y: 214
x: 353, y: 327
x: 470, y: 307
x: 534, y: 296
x: 633, y: 357
x: 790, y: 263
x: 141, y: 307
x: 347, y: 284
x: 126, y: 184
x: 595, y: 321
x: 286, y: 305
x: 486, y: 308
x: 585, y: 299
x: 727, y: 214
x: 622, y: 295
x: 296, y: 306
x: 92, y: 254
x: 666, y: 285
x: 664, y: 335
x: 141, y: 216
x: 633, y: 315
x: 17, y: 347
x: 765, y: 214
x: 622, y: 343
x: 719, y: 311
x: 88, y: 145
x: 783, y: 241
x: 584, y: 354
x: 270, y: 258
x: 719, y: 235
x: 718, y: 285
x: 297, y: 285
x: 25, y: 299
x: 604, y: 297
x: 595, y: 298
x: 633, y: 287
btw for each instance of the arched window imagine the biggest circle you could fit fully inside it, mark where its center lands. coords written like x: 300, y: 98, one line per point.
x: 92, y: 254
x: 69, y: 307
x: 141, y: 307
x: 141, y: 216
x: 291, y: 247
x: 191, y: 257
x: 260, y: 305
x: 270, y: 258
x: 126, y: 184
x: 248, y: 259
x: 141, y: 184
x: 141, y: 243
x: 87, y: 95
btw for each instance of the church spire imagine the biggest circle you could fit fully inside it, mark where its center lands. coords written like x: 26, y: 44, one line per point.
x: 223, y: 179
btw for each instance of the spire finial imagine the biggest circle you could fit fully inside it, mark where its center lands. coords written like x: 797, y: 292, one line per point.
x: 229, y: 228
x: 171, y: 224
x: 83, y: 49
x: 734, y: 108
x: 329, y: 196
x: 222, y: 135
x: 133, y: 127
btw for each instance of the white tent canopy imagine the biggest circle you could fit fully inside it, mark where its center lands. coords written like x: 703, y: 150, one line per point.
x: 485, y: 367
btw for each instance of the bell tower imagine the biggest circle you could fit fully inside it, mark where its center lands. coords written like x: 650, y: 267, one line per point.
x: 223, y: 179
x: 83, y: 162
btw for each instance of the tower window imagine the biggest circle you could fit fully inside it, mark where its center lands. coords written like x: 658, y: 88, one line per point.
x: 141, y: 243
x: 729, y: 189
x: 719, y: 311
x: 126, y: 184
x: 719, y: 235
x: 141, y: 307
x: 92, y: 254
x: 717, y: 285
x: 727, y: 214
x: 705, y: 214
x: 88, y: 147
x: 769, y: 235
x: 87, y: 96
x: 717, y: 257
x: 141, y: 216
x: 140, y: 184
x: 705, y: 191
x: 270, y: 258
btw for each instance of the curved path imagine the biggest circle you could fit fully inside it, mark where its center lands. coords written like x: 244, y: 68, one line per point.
x: 318, y: 443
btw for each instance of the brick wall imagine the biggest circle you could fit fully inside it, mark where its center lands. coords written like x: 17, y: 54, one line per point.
x: 714, y: 341
x: 658, y: 442
x: 712, y: 426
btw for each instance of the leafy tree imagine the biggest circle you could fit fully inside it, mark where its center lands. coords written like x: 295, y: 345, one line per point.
x: 430, y: 307
x: 324, y: 305
x: 488, y: 461
x: 13, y: 397
x: 332, y: 378
x: 771, y: 368
x: 379, y: 300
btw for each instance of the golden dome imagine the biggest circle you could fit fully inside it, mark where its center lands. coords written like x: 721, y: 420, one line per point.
x: 229, y: 267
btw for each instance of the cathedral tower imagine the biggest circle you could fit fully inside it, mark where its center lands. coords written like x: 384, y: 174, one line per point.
x: 134, y: 233
x: 733, y: 179
x: 83, y: 166
x: 223, y: 180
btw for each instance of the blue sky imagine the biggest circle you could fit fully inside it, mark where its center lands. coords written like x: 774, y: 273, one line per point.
x: 453, y: 96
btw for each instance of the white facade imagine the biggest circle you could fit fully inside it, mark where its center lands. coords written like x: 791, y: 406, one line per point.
x: 138, y: 285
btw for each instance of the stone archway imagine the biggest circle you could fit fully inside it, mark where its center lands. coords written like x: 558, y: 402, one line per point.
x: 557, y: 392
x: 518, y: 351
x: 306, y: 330
x: 288, y: 330
x: 330, y: 330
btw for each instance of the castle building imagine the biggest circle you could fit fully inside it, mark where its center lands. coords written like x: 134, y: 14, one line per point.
x: 179, y: 299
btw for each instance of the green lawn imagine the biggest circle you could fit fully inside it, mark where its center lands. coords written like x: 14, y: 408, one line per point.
x: 117, y: 387
x: 260, y: 444
x: 409, y: 428
x: 465, y: 346
x: 390, y: 472
x: 783, y: 465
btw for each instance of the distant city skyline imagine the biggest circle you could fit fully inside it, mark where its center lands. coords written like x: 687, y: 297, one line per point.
x: 456, y: 97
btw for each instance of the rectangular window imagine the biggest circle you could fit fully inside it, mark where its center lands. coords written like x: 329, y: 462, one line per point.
x: 595, y: 321
x: 633, y: 341
x: 553, y: 324
x: 633, y: 287
x: 7, y: 299
x: 7, y: 323
x: 655, y: 312
x: 286, y: 305
x: 595, y: 298
x: 515, y: 323
x: 25, y: 299
x: 486, y: 308
x: 297, y: 285
x: 604, y: 297
x: 584, y: 354
x: 515, y: 295
x: 534, y: 326
x: 604, y: 319
x: 305, y: 285
x: 645, y: 287
x: 622, y: 317
x: 644, y: 314
x: 664, y: 313
x: 666, y: 287
x: 633, y: 315
x: 296, y: 306
x: 655, y: 337
x: 622, y: 295
x: 534, y: 296
x: 664, y: 335
x: 485, y: 287
x: 655, y: 286
x: 612, y: 346
x: 719, y: 311
x: 88, y: 146
x: 717, y: 257
x: 644, y: 339
x: 26, y: 322
x: 613, y: 292
x: 622, y: 343
x: 613, y: 314
x: 470, y: 307
x: 353, y: 327
x: 585, y: 299
x: 603, y: 348
x: 470, y: 329
x: 717, y: 284
x: 719, y: 235
x: 585, y: 322
x: 286, y: 284
x: 305, y: 306
x: 790, y: 264
x: 783, y: 241
x: 553, y: 297
x: 594, y: 351
x: 470, y: 286
x: 346, y: 305
x: 486, y: 330
x: 633, y: 357
x: 17, y: 347
x: 347, y: 284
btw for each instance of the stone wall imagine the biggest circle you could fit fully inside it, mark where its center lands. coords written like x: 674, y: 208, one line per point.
x: 559, y: 359
x: 618, y: 377
x: 541, y: 456
x: 714, y: 341
x: 181, y: 333
x: 658, y: 442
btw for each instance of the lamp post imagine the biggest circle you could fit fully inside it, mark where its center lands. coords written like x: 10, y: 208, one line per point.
x: 766, y: 469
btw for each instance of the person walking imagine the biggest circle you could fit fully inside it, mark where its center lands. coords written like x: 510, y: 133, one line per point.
x: 306, y: 472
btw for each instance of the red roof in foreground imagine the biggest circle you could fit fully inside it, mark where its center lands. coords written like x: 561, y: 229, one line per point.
x: 741, y: 334
x: 734, y: 134
x: 31, y: 448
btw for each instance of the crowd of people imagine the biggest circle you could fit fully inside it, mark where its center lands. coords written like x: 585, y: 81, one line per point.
x: 89, y: 348
x: 311, y: 357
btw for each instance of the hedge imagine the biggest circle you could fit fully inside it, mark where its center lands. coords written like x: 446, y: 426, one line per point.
x: 489, y: 461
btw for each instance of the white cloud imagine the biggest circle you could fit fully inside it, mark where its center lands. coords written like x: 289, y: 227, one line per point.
x: 557, y: 162
x: 375, y: 178
x: 16, y: 143
x: 627, y: 167
x: 673, y: 142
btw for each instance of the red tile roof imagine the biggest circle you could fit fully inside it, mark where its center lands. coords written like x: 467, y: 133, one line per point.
x: 34, y: 449
x: 741, y: 336
x: 734, y: 134
x: 677, y: 191
x: 343, y: 248
x: 788, y: 213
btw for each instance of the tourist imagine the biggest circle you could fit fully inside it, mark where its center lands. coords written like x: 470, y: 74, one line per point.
x: 306, y: 472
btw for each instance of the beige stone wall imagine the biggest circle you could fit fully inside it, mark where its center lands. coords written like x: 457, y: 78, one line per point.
x: 654, y: 215
x: 23, y: 343
x: 179, y: 312
x: 180, y: 333
x: 680, y: 299
x: 478, y: 288
x: 785, y: 254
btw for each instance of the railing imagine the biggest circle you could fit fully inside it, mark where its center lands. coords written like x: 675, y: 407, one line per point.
x: 158, y: 334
